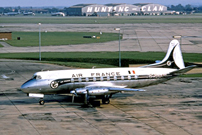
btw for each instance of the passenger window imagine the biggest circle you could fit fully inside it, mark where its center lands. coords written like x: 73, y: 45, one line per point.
x: 111, y: 78
x: 98, y: 79
x: 126, y: 78
x: 90, y: 79
x: 105, y: 78
x: 76, y: 79
x: 84, y: 79
x: 132, y: 77
x: 118, y: 77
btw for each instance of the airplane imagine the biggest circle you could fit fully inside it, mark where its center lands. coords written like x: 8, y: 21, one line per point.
x: 28, y: 13
x: 58, y: 14
x: 102, y: 83
x: 11, y: 13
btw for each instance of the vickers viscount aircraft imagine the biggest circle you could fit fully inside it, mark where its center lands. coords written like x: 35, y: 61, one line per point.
x: 104, y: 82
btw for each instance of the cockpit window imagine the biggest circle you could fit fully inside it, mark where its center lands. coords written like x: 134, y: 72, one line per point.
x: 37, y: 77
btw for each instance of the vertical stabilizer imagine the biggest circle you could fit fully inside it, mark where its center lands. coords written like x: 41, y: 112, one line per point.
x: 177, y: 55
x: 173, y: 58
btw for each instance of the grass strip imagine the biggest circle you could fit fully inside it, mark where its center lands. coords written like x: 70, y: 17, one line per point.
x: 95, y: 58
x: 59, y: 38
x: 47, y: 19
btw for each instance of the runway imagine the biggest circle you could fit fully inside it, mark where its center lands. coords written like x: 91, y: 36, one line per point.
x: 174, y: 107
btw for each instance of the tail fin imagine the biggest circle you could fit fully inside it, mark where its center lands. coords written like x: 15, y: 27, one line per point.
x: 173, y: 58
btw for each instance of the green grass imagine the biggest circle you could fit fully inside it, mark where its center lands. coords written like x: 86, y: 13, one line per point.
x: 58, y: 38
x: 1, y: 45
x: 102, y: 20
x: 99, y: 59
x: 191, y: 75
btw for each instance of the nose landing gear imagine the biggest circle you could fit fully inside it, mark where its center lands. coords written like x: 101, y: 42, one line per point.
x: 41, y: 101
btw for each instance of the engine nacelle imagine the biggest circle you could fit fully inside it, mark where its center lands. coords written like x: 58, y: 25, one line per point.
x: 92, y: 91
x: 98, y: 91
x: 81, y: 91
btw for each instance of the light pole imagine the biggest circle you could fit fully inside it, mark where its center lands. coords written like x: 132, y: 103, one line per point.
x: 39, y: 41
x: 118, y: 29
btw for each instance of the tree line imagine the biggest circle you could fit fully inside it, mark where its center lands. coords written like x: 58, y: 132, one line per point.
x: 186, y: 8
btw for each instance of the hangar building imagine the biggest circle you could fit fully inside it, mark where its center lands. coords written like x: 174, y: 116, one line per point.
x: 119, y: 9
x: 151, y: 9
x: 123, y: 9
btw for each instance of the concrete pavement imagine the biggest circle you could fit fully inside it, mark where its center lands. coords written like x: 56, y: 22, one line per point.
x: 136, y: 37
x: 173, y: 108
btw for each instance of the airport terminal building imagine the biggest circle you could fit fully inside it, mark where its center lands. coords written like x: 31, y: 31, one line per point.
x: 120, y: 9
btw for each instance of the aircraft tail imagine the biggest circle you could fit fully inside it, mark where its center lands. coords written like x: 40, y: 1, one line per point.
x: 173, y: 58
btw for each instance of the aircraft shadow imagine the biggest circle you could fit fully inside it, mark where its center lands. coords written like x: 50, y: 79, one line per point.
x: 20, y: 98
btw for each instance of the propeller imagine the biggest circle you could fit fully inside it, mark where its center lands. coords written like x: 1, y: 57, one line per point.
x: 72, y: 98
x: 86, y: 98
x: 73, y: 95
x: 83, y: 91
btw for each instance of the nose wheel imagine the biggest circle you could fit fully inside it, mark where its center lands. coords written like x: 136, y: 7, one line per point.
x: 41, y: 102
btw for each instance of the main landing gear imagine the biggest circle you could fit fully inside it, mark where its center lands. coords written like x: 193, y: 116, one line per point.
x: 105, y: 100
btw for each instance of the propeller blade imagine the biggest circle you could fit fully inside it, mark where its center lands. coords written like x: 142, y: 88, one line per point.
x: 73, y: 98
x: 86, y: 97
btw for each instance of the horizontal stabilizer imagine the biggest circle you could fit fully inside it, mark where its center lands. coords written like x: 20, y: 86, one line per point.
x: 184, y: 70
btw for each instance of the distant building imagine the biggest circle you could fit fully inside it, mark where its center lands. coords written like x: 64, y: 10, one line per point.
x: 116, y: 9
x: 151, y: 9
x: 76, y: 10
x: 102, y: 10
x: 123, y: 9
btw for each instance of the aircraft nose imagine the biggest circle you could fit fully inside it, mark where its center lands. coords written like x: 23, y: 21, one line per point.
x: 27, y: 85
x: 24, y: 86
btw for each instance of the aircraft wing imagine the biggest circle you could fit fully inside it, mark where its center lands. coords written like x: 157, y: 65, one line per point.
x: 124, y: 89
x: 92, y: 90
x: 113, y: 88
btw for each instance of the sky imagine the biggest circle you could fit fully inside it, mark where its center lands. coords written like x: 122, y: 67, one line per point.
x: 67, y: 3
